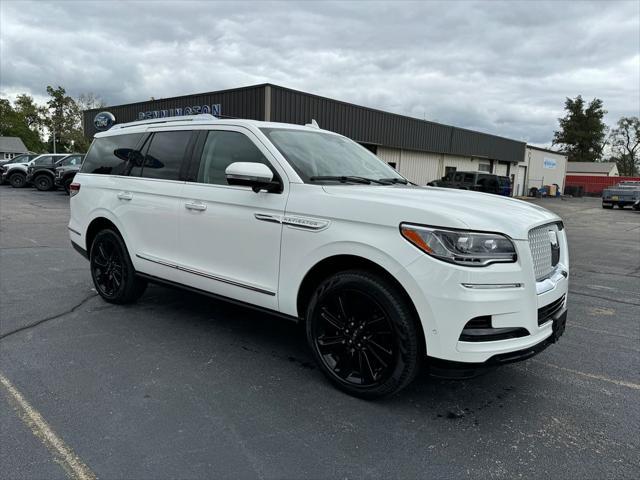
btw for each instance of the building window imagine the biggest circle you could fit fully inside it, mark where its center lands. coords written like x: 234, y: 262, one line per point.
x: 484, y: 167
x: 392, y: 165
x: 448, y: 170
x: 372, y: 148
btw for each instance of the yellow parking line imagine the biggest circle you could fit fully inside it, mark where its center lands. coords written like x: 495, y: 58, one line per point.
x: 62, y: 454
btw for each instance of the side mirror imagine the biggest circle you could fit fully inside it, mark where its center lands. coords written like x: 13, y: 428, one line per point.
x: 249, y: 174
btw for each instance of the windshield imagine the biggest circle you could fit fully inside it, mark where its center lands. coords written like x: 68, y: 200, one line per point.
x: 317, y: 154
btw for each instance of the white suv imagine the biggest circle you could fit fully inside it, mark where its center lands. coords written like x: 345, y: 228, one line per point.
x: 309, y: 224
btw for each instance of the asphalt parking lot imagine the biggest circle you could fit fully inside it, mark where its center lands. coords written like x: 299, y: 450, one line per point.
x: 183, y: 386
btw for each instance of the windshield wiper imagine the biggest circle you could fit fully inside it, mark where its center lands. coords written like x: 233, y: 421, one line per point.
x: 344, y: 179
x: 394, y: 180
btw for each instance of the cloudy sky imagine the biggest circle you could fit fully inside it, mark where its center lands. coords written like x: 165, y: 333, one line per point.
x: 503, y: 68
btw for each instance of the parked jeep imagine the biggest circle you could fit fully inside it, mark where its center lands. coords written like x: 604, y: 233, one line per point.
x: 66, y: 171
x: 41, y: 171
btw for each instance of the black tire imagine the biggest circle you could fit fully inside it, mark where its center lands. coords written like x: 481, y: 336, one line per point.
x: 113, y: 274
x: 43, y: 182
x: 608, y: 207
x: 363, y: 334
x: 66, y: 184
x: 18, y: 180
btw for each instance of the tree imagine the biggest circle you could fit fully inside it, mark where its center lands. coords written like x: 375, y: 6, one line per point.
x: 89, y: 101
x: 14, y: 124
x: 86, y: 101
x: 32, y: 113
x: 61, y: 120
x: 625, y: 145
x: 582, y: 135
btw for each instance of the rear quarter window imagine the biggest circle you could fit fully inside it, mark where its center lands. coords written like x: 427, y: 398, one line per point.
x: 101, y: 157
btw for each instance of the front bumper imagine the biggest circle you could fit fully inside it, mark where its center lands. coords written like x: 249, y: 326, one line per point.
x: 449, y: 297
x: 452, y: 369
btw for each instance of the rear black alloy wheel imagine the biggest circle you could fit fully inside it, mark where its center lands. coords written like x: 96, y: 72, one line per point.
x: 43, y: 183
x: 18, y: 180
x: 363, y: 334
x: 112, y: 271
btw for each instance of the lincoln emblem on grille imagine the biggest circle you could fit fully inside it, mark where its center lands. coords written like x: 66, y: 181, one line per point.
x: 555, y: 247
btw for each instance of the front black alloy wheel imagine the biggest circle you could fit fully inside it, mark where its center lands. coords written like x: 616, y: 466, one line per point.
x: 43, y: 183
x: 66, y: 185
x: 112, y: 271
x: 18, y: 180
x: 363, y: 334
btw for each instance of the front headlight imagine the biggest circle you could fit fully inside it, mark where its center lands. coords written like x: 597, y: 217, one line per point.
x: 473, y: 249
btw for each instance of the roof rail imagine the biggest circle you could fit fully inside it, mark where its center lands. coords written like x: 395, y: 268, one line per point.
x: 182, y: 118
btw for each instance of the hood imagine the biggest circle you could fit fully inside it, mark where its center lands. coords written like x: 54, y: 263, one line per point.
x: 445, y: 207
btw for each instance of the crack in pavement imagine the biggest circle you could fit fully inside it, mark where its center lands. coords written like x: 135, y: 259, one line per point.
x: 47, y: 319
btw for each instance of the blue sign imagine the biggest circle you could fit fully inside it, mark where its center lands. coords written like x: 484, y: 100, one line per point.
x: 213, y: 109
x: 104, y: 121
x: 549, y: 163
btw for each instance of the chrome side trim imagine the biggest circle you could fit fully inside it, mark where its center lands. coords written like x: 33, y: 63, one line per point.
x: 268, y: 218
x: 490, y: 286
x: 205, y: 275
x: 306, y: 223
x: 74, y: 231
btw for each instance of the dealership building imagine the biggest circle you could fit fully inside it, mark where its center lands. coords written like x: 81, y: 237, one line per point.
x: 420, y: 150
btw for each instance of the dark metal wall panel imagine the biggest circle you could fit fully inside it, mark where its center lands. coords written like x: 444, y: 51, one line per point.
x: 238, y: 103
x: 367, y: 125
x: 470, y: 143
x: 362, y: 124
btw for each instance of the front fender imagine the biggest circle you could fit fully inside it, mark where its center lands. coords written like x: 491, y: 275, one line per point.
x: 294, y: 268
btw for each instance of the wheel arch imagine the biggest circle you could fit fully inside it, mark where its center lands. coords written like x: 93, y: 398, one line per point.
x: 44, y: 171
x: 17, y: 171
x: 343, y: 262
x: 95, y: 226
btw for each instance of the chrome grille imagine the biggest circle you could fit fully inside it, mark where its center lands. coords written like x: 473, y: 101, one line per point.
x: 540, y: 245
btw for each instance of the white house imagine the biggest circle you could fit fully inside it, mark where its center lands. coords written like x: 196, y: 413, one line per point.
x: 11, y: 147
x: 599, y: 169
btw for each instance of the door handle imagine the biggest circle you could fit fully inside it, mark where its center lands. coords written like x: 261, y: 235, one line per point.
x: 195, y: 206
x: 125, y: 196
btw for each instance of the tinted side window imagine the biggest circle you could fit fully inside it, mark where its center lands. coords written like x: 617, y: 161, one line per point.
x: 101, y: 157
x: 458, y: 177
x: 75, y: 160
x: 469, y: 177
x: 165, y: 155
x: 48, y: 160
x: 222, y: 149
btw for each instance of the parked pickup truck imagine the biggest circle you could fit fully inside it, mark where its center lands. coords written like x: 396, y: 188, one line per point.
x: 476, y: 181
x: 622, y: 194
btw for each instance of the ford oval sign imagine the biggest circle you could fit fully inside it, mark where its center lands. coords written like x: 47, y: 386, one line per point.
x: 104, y: 121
